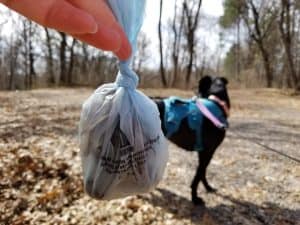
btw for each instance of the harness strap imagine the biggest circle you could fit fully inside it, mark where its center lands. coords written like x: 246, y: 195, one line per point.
x: 221, y: 103
x: 209, y: 115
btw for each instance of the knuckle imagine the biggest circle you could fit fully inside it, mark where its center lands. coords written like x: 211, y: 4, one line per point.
x: 48, y: 17
x: 51, y: 14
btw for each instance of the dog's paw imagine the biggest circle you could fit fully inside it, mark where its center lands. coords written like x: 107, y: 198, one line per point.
x: 211, y: 189
x: 198, y: 201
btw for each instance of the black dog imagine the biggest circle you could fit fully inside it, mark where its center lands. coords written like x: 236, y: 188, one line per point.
x: 212, y: 136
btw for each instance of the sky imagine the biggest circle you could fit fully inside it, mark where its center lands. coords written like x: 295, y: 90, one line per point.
x: 210, y: 7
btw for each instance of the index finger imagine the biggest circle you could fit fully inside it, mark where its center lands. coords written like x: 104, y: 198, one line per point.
x: 108, y: 25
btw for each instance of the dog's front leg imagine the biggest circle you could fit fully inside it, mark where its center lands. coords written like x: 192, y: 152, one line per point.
x: 205, y: 158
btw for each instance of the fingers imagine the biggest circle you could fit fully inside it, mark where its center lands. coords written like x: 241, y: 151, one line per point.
x: 105, y: 39
x: 125, y: 51
x: 106, y: 21
x: 57, y: 14
x: 88, y: 20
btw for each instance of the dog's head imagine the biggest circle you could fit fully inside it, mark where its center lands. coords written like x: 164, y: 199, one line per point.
x: 216, y: 86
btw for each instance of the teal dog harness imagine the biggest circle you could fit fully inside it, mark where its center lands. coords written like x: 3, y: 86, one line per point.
x: 177, y: 109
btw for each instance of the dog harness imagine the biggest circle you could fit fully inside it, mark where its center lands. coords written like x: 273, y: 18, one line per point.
x: 177, y: 109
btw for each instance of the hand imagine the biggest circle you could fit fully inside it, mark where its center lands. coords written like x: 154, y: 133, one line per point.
x: 90, y: 21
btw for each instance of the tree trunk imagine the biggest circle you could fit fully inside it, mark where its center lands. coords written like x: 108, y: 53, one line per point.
x: 25, y: 53
x: 190, y: 63
x: 50, y: 63
x: 11, y: 70
x: 286, y: 36
x: 32, y: 73
x: 162, y: 69
x: 71, y: 63
x: 238, y: 52
x: 175, y: 43
x: 192, y: 21
x: 177, y: 31
x: 258, y: 36
x: 62, y: 53
x: 267, y: 66
x: 13, y: 61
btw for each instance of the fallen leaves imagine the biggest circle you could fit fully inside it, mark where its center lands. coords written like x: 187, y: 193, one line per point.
x: 41, y: 181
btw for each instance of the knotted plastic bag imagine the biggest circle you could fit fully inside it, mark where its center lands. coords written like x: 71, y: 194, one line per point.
x: 123, y: 149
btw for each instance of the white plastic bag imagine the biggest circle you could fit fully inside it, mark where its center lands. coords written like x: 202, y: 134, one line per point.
x: 123, y: 149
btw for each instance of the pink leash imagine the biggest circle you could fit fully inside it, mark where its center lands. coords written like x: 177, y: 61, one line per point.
x: 209, y: 115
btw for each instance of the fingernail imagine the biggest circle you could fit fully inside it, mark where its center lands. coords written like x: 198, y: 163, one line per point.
x: 94, y: 29
x: 92, y: 25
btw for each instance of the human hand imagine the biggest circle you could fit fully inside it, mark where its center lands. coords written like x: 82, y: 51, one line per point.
x: 90, y: 21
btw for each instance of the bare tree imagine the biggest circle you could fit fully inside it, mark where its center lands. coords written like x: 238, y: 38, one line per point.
x: 50, y: 63
x: 2, y: 60
x: 233, y: 10
x: 31, y: 56
x: 287, y: 28
x: 142, y: 54
x: 191, y: 9
x: 10, y: 52
x: 71, y: 63
x: 63, y: 58
x: 262, y: 19
x: 201, y: 60
x: 28, y: 31
x: 177, y: 27
x: 14, y: 49
x: 85, y: 57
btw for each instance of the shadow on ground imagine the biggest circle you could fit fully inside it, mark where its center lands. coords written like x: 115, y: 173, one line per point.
x: 232, y: 211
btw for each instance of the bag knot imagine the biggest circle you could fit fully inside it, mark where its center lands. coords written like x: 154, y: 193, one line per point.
x: 127, y: 77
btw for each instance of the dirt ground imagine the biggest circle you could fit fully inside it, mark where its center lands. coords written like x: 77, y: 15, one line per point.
x: 40, y: 169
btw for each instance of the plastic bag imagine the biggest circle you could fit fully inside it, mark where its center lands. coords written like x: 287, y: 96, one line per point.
x: 123, y: 149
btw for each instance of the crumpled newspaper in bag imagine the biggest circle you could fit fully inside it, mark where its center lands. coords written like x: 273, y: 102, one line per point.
x: 123, y: 149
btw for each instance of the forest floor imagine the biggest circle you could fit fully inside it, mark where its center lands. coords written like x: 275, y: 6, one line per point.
x: 41, y: 180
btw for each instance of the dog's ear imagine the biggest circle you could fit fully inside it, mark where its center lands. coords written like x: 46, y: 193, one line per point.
x: 204, y: 86
x: 224, y: 80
